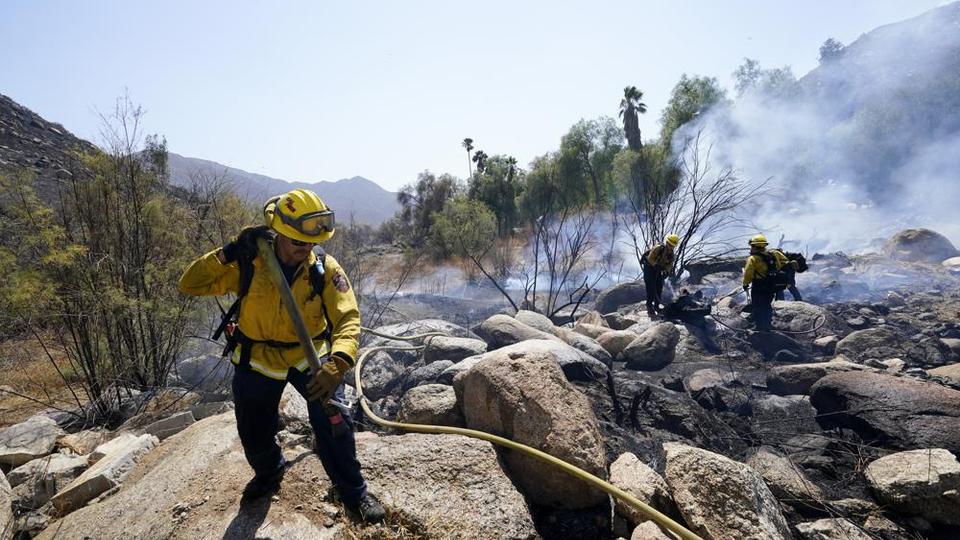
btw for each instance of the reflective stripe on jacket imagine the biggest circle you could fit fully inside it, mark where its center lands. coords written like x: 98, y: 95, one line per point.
x: 263, y: 317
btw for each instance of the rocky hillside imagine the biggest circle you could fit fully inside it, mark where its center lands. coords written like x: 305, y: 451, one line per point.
x: 844, y: 423
x: 366, y: 201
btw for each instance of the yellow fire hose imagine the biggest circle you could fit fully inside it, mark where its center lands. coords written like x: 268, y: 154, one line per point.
x: 266, y: 250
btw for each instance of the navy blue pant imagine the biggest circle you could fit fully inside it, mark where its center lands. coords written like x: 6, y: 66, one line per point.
x: 257, y: 400
x: 761, y: 301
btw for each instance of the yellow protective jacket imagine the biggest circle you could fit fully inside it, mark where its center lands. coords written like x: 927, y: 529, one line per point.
x: 262, y: 316
x: 661, y: 258
x: 756, y: 267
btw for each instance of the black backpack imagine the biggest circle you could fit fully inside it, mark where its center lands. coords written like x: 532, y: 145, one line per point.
x: 801, y: 261
x: 228, y: 324
x: 776, y: 279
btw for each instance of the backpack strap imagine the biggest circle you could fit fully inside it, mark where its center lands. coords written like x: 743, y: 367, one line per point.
x: 318, y: 272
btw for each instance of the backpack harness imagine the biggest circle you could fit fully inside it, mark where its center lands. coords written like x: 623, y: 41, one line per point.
x: 228, y: 324
x: 776, y: 279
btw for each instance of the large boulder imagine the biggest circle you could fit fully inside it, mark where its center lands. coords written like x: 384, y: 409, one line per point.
x: 774, y: 415
x: 448, y: 486
x: 427, y: 374
x: 209, y: 373
x: 83, y: 442
x: 502, y: 330
x: 951, y: 372
x: 586, y: 345
x: 452, y: 348
x: 898, y: 412
x: 407, y: 329
x: 524, y: 396
x: 800, y: 318
x: 785, y: 479
x: 615, y: 341
x: 38, y: 480
x: 28, y: 440
x: 382, y: 373
x: 720, y: 498
x: 6, y: 509
x: 430, y: 404
x: 538, y: 321
x: 654, y: 349
x: 884, y: 342
x: 576, y: 365
x: 636, y: 478
x: 108, y: 472
x: 919, y: 482
x: 920, y: 245
x: 798, y: 378
x: 621, y: 295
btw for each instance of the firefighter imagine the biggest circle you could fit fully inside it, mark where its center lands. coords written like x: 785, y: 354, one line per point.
x: 657, y: 263
x: 763, y: 278
x: 268, y: 354
x: 791, y: 278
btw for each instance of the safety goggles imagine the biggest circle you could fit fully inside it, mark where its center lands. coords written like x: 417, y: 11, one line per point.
x: 312, y: 224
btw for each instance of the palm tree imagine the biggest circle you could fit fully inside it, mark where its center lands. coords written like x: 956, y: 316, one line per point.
x: 468, y: 144
x: 480, y: 158
x: 630, y: 109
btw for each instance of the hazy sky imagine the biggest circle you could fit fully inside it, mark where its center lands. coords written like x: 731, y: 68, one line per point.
x: 315, y: 90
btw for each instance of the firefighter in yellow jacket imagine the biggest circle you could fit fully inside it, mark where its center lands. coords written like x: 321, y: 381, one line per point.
x: 268, y: 355
x: 656, y: 264
x: 761, y: 276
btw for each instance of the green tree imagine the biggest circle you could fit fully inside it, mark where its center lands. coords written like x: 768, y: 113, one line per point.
x: 630, y: 110
x: 419, y: 201
x: 691, y: 96
x: 480, y: 158
x: 775, y: 83
x: 468, y: 145
x: 830, y: 50
x: 586, y: 159
x: 464, y: 228
x: 497, y: 187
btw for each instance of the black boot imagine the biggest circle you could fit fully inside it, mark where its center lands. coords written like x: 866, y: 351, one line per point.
x: 368, y: 509
x: 260, y: 486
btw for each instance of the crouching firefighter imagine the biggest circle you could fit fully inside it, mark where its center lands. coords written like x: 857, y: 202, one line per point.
x: 657, y: 262
x: 263, y: 346
x: 764, y: 277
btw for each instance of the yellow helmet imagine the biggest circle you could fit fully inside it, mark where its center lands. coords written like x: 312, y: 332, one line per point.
x: 758, y: 240
x: 300, y: 215
x: 672, y: 240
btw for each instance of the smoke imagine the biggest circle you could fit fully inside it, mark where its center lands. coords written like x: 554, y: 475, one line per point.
x: 861, y: 147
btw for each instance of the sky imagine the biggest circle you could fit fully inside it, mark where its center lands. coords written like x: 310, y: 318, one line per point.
x: 310, y: 91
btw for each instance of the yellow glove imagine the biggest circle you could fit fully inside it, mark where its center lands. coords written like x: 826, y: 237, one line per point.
x: 324, y: 383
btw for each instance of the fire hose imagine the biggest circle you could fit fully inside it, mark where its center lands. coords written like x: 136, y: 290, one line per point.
x: 276, y: 274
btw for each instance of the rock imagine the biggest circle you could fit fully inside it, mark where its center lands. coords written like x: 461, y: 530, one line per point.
x: 803, y: 317
x: 775, y: 415
x: 28, y: 440
x: 171, y: 400
x: 826, y: 345
x: 576, y: 365
x: 952, y: 262
x: 920, y: 245
x: 382, y: 373
x: 798, y: 378
x: 524, y: 396
x: 208, y: 373
x: 649, y: 530
x: 117, y: 462
x: 703, y: 379
x: 413, y: 328
x: 447, y: 486
x: 6, y: 509
x: 427, y: 374
x: 786, y: 480
x: 38, y: 480
x: 772, y: 344
x: 171, y: 425
x: 720, y: 498
x: 205, y: 410
x: 953, y: 345
x: 654, y: 349
x: 618, y: 321
x: 83, y: 442
x: 636, y: 478
x: 919, y: 482
x: 592, y: 331
x: 615, y: 341
x: 537, y: 321
x: 719, y: 389
x: 452, y: 348
x: 831, y: 529
x: 893, y: 365
x: 502, y: 330
x: 430, y: 404
x: 586, y: 345
x: 885, y: 342
x: 294, y: 412
x: 623, y: 294
x: 899, y: 412
x: 448, y: 375
x: 951, y: 372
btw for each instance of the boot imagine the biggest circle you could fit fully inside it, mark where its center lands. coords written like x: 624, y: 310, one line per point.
x: 368, y: 509
x: 260, y: 486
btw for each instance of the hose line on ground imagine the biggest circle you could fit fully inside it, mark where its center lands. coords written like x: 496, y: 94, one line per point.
x: 276, y: 274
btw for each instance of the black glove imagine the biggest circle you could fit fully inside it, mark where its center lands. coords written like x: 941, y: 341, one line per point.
x: 245, y: 246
